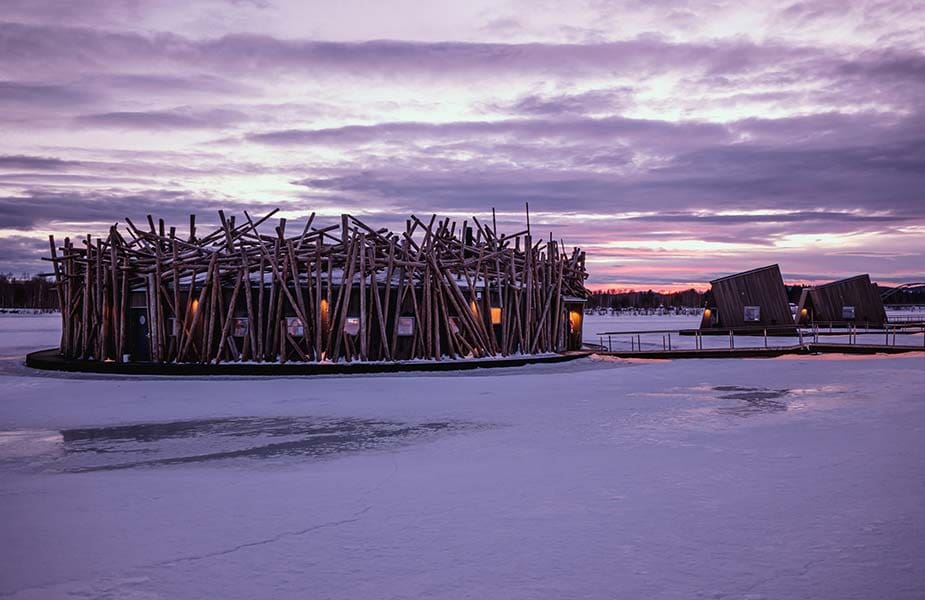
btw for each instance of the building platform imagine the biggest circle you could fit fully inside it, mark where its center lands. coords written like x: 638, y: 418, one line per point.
x: 51, y: 360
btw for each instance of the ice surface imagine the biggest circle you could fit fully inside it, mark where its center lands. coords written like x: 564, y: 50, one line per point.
x: 797, y: 477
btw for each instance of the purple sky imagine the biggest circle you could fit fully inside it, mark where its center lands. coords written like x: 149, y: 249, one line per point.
x: 674, y: 140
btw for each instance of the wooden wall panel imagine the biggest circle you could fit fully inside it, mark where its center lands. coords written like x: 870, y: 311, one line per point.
x: 762, y: 287
x: 826, y: 301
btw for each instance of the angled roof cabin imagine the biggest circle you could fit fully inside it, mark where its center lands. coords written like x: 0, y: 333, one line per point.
x: 854, y: 300
x: 754, y: 298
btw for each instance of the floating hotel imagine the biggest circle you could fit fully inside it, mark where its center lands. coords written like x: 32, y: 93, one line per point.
x: 757, y: 300
x: 852, y: 300
x: 346, y: 292
x: 754, y: 298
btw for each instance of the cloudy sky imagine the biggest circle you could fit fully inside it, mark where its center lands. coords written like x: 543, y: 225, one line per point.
x: 674, y: 140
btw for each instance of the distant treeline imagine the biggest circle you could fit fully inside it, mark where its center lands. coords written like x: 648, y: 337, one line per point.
x: 620, y: 299
x: 27, y: 292
x: 632, y: 299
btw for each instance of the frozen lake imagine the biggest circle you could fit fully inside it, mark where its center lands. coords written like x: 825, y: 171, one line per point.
x: 763, y: 478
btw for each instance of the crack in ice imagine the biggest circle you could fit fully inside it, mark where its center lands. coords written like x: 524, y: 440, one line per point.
x: 196, y: 557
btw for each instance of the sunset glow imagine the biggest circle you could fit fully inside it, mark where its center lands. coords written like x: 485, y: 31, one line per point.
x: 673, y: 142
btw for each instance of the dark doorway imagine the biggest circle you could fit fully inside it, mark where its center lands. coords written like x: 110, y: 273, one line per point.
x: 139, y: 348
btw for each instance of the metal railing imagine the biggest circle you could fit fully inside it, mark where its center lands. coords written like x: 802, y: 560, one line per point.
x: 886, y: 335
x: 906, y: 319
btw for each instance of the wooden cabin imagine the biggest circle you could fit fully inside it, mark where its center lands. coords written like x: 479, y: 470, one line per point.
x: 852, y: 301
x: 346, y: 292
x: 749, y: 300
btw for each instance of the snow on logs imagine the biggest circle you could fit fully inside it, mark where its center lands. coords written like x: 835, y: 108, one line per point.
x: 343, y: 292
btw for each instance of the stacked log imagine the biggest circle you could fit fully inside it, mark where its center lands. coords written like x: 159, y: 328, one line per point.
x: 344, y: 292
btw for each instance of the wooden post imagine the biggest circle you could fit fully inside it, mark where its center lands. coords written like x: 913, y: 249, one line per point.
x: 364, y: 354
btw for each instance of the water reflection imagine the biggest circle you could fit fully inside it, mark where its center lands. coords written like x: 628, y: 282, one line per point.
x: 208, y: 440
x: 752, y: 400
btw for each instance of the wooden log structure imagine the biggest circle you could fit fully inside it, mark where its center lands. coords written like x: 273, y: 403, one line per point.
x: 347, y: 292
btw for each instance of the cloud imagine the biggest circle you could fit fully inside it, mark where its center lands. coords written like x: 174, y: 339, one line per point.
x: 199, y: 84
x: 800, y: 217
x: 23, y: 255
x: 586, y: 129
x: 606, y: 101
x: 28, y: 46
x: 77, y: 211
x: 668, y: 137
x: 822, y: 162
x: 35, y: 163
x: 22, y: 94
x: 164, y: 119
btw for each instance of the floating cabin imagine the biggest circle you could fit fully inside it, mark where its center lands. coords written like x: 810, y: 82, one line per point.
x: 345, y: 292
x: 852, y: 301
x: 749, y: 301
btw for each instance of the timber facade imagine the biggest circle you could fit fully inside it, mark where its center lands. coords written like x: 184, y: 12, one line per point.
x: 345, y: 292
x: 752, y: 299
x: 848, y: 301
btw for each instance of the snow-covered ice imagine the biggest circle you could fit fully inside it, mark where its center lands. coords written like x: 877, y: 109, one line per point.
x: 795, y: 477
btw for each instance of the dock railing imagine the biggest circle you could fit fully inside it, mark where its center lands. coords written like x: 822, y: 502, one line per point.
x: 667, y: 340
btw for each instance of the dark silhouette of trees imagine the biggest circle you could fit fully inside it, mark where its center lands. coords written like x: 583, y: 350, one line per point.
x: 649, y: 299
x: 27, y: 292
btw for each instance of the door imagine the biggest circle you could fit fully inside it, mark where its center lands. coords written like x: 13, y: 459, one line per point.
x: 139, y: 347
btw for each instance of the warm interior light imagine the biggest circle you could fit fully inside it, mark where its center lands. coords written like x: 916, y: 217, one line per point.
x: 574, y: 319
x: 803, y: 312
x: 495, y: 315
x: 707, y: 313
x: 474, y: 307
x: 324, y: 314
x: 187, y: 322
